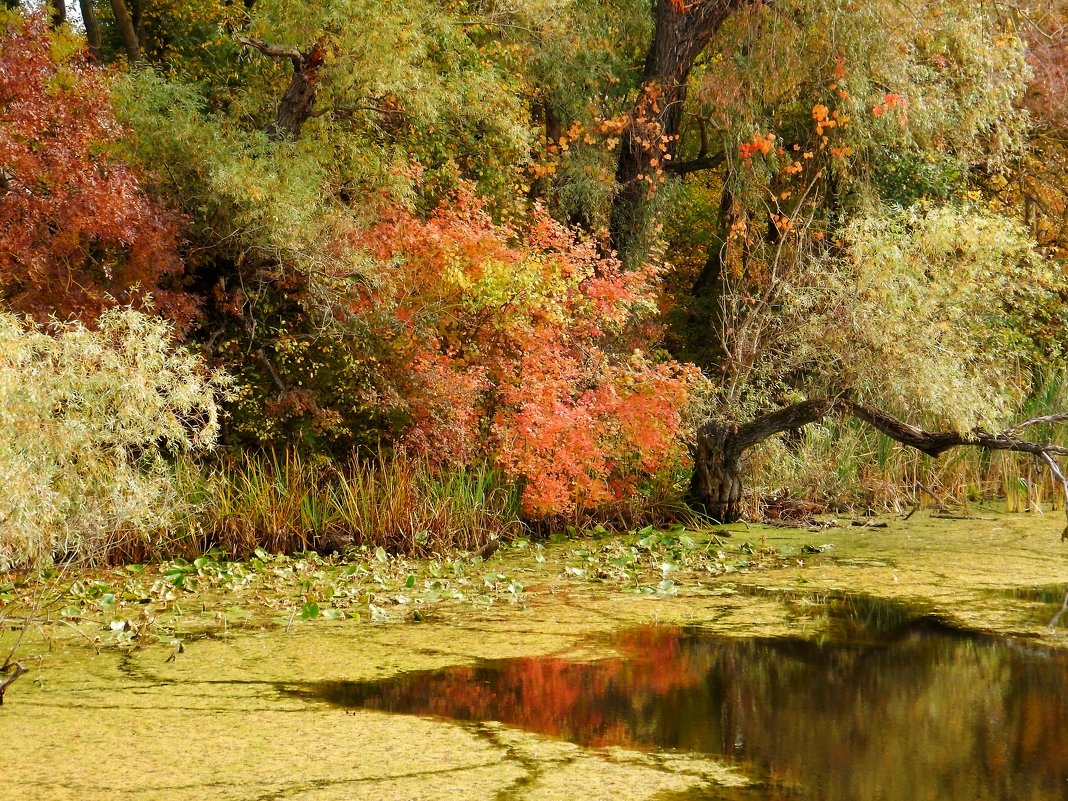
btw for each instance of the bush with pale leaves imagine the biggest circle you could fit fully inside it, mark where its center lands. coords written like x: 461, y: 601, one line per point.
x: 90, y: 423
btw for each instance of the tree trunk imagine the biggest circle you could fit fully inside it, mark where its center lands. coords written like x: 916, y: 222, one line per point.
x: 297, y: 105
x: 58, y: 13
x: 716, y: 484
x: 126, y: 30
x: 682, y: 31
x: 92, y: 29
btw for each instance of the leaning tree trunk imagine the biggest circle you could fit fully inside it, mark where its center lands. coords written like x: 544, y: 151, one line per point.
x: 126, y: 30
x: 682, y: 31
x: 716, y: 484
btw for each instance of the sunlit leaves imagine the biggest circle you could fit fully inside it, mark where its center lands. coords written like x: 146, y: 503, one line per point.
x: 77, y: 232
x: 511, y: 354
x: 90, y: 420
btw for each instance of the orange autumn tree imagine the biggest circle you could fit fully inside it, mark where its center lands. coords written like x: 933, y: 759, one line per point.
x: 516, y: 344
x: 77, y: 233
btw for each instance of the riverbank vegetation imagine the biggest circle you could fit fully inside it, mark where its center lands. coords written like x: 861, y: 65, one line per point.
x: 362, y: 274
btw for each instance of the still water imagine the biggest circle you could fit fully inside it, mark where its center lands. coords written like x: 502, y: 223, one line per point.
x: 918, y: 712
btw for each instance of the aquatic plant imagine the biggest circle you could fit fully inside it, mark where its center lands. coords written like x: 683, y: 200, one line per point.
x: 285, y: 503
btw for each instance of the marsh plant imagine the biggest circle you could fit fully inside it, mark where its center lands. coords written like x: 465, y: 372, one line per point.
x: 286, y: 503
x: 90, y: 423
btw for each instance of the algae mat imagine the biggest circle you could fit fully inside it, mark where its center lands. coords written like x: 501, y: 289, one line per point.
x: 219, y: 720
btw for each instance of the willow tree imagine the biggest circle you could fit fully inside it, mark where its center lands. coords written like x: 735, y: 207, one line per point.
x: 855, y: 269
x: 283, y: 137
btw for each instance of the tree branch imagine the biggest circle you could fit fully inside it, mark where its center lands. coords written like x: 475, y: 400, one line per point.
x: 796, y: 416
x: 274, y: 51
x: 5, y: 683
x: 1037, y: 421
x: 715, y: 486
x: 694, y: 165
x: 934, y: 443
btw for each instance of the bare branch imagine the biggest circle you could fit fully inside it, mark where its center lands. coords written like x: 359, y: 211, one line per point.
x: 274, y: 51
x: 716, y: 484
x: 795, y: 416
x: 7, y: 682
x: 1037, y: 421
x: 934, y: 443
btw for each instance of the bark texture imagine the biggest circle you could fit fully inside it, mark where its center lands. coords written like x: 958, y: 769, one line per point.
x: 126, y: 30
x: 297, y: 105
x: 57, y: 13
x: 92, y: 28
x: 716, y: 483
x: 682, y: 32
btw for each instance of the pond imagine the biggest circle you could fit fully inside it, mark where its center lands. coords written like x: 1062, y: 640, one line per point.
x: 914, y: 711
x: 853, y: 670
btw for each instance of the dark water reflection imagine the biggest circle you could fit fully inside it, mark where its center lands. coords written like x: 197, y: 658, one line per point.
x: 922, y: 714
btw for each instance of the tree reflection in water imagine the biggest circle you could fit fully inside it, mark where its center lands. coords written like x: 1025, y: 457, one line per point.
x: 924, y: 714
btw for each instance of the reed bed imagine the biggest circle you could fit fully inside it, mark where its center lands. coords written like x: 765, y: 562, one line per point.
x: 287, y: 503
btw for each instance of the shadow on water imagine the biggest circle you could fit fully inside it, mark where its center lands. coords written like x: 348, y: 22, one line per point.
x: 913, y: 711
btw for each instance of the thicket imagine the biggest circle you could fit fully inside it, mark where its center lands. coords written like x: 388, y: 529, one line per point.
x: 91, y: 425
x: 472, y: 266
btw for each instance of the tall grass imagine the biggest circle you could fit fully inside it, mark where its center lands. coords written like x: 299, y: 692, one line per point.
x: 287, y: 503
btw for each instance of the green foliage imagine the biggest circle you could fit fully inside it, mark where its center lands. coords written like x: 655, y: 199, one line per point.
x: 944, y: 309
x: 939, y: 82
x: 90, y: 422
x: 390, y: 274
x: 287, y: 504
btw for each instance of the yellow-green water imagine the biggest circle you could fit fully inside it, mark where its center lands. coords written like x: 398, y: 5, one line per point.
x: 242, y: 712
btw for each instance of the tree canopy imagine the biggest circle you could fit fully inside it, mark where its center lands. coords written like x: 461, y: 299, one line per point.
x: 571, y: 238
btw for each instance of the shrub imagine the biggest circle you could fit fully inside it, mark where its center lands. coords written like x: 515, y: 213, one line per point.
x: 518, y: 345
x: 89, y: 421
x: 78, y: 234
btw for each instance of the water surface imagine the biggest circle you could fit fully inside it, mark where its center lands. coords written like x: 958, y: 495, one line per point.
x: 911, y: 712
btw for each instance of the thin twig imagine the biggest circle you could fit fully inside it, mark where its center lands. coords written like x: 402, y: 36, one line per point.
x: 1060, y: 417
x: 92, y: 642
x: 1057, y: 617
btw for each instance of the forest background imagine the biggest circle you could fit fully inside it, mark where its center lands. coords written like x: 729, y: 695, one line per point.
x: 305, y: 275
